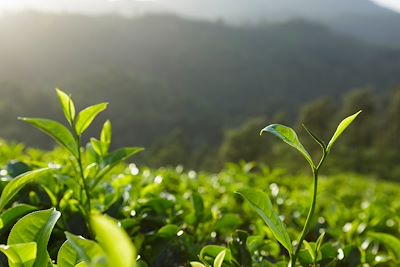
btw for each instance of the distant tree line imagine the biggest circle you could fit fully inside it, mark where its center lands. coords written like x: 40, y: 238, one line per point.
x: 372, y: 145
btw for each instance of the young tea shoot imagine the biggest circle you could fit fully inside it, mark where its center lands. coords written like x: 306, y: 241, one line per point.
x: 261, y: 202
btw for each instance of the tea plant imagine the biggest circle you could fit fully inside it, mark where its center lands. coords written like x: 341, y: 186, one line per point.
x: 261, y: 203
x: 99, y: 161
x: 28, y: 239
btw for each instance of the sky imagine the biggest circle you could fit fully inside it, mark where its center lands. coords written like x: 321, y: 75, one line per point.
x: 129, y: 7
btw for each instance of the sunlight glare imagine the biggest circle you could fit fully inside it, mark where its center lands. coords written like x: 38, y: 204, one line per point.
x: 391, y: 4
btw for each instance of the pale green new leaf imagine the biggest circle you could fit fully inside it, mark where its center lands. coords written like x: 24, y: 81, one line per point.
x: 261, y: 203
x: 67, y: 106
x: 20, y: 255
x: 289, y: 136
x: 342, y: 126
x: 35, y: 227
x: 16, y: 184
x: 390, y: 242
x: 76, y: 250
x: 219, y: 259
x: 115, y: 242
x: 106, y: 133
x: 86, y: 117
x: 197, y: 264
x: 55, y: 130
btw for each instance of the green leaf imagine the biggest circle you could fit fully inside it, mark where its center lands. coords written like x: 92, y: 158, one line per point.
x: 67, y: 106
x: 114, y: 158
x: 99, y: 147
x: 16, y: 184
x: 390, y: 242
x: 106, y: 134
x: 20, y: 255
x: 197, y: 264
x: 77, y: 249
x: 10, y: 216
x: 35, y: 227
x: 261, y: 203
x: 342, y: 126
x: 209, y: 253
x: 115, y: 242
x: 316, y: 138
x: 55, y: 130
x: 168, y: 231
x: 219, y: 259
x: 289, y: 136
x: 86, y: 117
x: 67, y: 256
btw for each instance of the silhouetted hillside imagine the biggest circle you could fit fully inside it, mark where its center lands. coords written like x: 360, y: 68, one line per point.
x: 161, y: 73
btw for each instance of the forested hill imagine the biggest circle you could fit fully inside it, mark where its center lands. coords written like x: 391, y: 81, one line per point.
x: 160, y: 73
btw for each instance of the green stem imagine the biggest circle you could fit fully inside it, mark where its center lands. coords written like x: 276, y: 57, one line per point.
x: 311, y: 210
x: 87, y: 205
x: 82, y: 176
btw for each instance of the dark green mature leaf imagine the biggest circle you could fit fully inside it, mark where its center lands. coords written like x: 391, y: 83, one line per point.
x: 114, y: 158
x: 35, y: 227
x: 261, y: 203
x: 20, y: 255
x: 78, y: 249
x: 10, y: 216
x: 86, y: 117
x: 121, y: 154
x: 67, y: 106
x: 390, y: 242
x: 115, y: 242
x: 340, y: 129
x: 55, y: 130
x: 15, y: 185
x: 289, y: 136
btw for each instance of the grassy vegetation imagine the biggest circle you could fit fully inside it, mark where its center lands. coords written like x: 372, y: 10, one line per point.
x: 81, y: 205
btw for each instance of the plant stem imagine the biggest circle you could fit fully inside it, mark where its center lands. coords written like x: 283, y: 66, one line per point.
x: 87, y: 205
x: 311, y: 210
x: 82, y: 176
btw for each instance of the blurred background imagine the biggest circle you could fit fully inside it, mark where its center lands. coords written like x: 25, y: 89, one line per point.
x: 194, y: 81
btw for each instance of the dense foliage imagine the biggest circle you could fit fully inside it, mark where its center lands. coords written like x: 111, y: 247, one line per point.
x: 175, y: 217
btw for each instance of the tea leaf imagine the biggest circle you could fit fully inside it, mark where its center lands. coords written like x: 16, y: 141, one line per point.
x: 106, y: 134
x: 10, y: 216
x: 261, y: 203
x: 121, y: 253
x: 390, y: 242
x: 55, y: 130
x: 20, y: 255
x: 219, y: 259
x: 114, y: 158
x: 16, y: 184
x: 86, y: 117
x: 342, y: 126
x: 289, y: 136
x: 78, y: 249
x: 35, y: 227
x: 67, y: 105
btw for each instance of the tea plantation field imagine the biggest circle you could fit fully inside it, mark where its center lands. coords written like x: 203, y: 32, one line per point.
x: 176, y: 216
x: 85, y: 205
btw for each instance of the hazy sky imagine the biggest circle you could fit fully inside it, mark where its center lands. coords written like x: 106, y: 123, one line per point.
x: 188, y: 7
